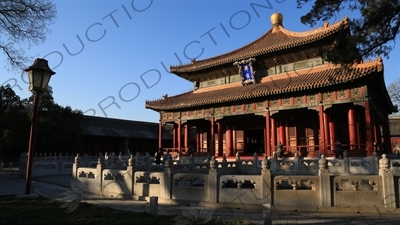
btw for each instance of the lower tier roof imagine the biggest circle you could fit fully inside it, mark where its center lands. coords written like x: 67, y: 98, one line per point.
x: 291, y: 82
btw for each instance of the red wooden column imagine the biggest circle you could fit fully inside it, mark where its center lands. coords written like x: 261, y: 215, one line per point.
x: 186, y: 135
x: 352, y: 128
x: 197, y: 138
x: 369, y: 128
x: 174, y: 136
x: 201, y: 137
x: 234, y: 141
x: 267, y: 132
x: 273, y: 133
x: 220, y: 139
x: 326, y: 129
x: 160, y: 134
x: 281, y: 129
x: 374, y: 131
x: 245, y: 144
x: 378, y: 134
x: 322, y: 146
x: 358, y: 131
x: 212, y: 133
x: 332, y: 134
x: 228, y: 147
x: 179, y: 135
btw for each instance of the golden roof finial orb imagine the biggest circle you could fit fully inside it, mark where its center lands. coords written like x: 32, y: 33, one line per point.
x: 277, y: 19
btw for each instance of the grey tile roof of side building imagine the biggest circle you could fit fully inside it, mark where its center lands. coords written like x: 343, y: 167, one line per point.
x: 109, y: 127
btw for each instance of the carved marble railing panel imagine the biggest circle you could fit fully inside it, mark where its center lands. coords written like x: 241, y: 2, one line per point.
x: 44, y: 168
x: 190, y: 187
x: 247, y: 167
x: 86, y: 179
x: 66, y: 168
x: 239, y: 181
x: 297, y: 198
x: 362, y: 165
x: 358, y: 191
x: 244, y: 189
x: 181, y: 167
x: 336, y: 166
x: 155, y: 168
x: 246, y: 163
x: 308, y: 166
x: 197, y: 160
x: 296, y: 190
x: 115, y: 183
x: 86, y: 173
x: 147, y: 177
x: 145, y: 190
x: 147, y: 183
x: 295, y: 182
x: 46, y: 164
x: 114, y: 175
x: 284, y: 165
x: 201, y: 167
x: 189, y: 180
x: 395, y: 165
x: 231, y: 165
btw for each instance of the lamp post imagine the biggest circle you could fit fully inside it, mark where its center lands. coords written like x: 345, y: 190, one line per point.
x: 39, y: 75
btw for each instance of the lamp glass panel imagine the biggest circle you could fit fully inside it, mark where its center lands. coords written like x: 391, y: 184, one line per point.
x: 46, y: 79
x: 30, y: 77
x: 37, y: 78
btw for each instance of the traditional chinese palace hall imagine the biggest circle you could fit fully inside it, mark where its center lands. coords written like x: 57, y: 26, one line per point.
x: 280, y: 89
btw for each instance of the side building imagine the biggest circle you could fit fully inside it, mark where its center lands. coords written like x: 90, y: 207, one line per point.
x: 101, y: 134
x: 395, y: 133
x: 281, y: 90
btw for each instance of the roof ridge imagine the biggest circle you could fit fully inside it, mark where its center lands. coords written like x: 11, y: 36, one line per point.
x: 88, y: 117
x: 223, y: 54
x: 166, y: 96
x: 378, y: 61
x: 324, y: 28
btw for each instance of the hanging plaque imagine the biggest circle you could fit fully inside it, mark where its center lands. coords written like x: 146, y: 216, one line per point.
x: 246, y: 71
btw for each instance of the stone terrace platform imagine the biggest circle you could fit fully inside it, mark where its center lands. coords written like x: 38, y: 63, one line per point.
x: 54, y: 186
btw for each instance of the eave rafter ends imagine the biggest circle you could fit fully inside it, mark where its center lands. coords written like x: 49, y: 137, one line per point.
x: 325, y: 76
x: 271, y: 41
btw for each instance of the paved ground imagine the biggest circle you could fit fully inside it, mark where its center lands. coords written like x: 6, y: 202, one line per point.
x: 55, y: 186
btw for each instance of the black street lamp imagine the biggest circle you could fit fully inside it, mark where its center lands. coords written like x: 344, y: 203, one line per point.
x: 39, y: 75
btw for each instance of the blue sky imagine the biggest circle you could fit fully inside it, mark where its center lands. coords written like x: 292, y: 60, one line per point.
x: 126, y: 45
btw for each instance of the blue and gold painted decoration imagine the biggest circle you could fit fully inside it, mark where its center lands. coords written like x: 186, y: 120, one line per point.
x: 246, y: 71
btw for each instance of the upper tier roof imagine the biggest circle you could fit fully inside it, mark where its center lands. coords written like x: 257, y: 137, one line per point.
x: 276, y: 39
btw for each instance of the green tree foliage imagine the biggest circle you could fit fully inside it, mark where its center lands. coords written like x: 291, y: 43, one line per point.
x: 373, y: 33
x: 58, y: 128
x: 23, y: 23
x: 14, y: 123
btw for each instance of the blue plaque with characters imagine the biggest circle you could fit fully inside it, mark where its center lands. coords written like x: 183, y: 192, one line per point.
x: 246, y: 71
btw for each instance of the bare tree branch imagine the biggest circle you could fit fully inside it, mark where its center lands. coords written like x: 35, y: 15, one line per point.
x: 24, y: 23
x: 394, y: 91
